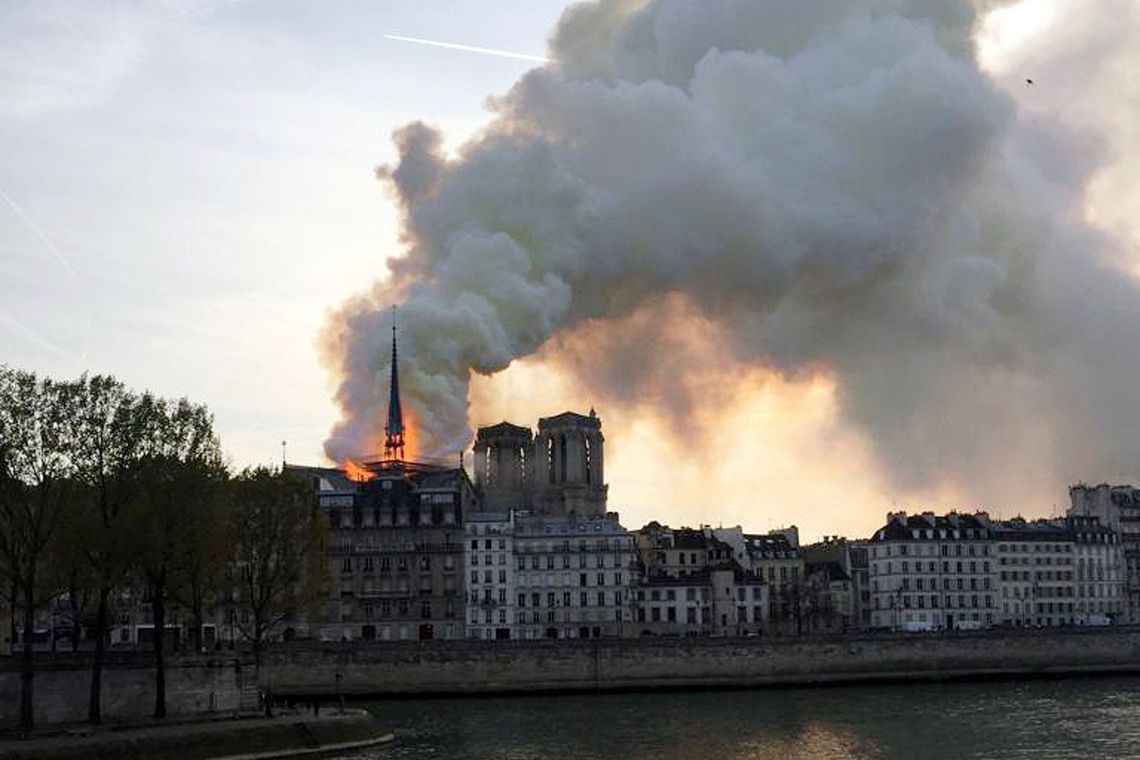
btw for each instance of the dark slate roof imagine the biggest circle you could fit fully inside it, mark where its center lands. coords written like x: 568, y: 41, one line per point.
x: 445, y: 479
x: 901, y: 527
x: 1019, y: 529
x: 774, y: 545
x: 687, y: 538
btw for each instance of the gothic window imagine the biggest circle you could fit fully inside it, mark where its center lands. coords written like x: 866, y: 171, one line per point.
x: 550, y: 460
x: 588, y: 463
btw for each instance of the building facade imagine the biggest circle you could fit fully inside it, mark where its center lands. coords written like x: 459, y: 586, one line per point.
x: 691, y: 584
x: 489, y: 566
x: 396, y: 551
x: 574, y: 577
x: 1118, y: 508
x: 934, y: 572
x: 1059, y: 572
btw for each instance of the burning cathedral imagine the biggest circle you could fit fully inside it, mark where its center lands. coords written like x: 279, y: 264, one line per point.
x: 401, y: 564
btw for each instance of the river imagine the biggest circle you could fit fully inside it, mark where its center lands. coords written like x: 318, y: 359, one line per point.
x: 1044, y: 720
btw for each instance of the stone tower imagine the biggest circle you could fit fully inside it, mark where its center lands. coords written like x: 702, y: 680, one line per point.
x: 569, y: 475
x: 504, y: 466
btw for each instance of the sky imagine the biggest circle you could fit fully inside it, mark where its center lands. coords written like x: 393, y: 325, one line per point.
x: 187, y: 188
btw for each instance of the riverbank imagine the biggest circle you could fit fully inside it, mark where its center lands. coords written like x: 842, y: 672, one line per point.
x: 288, y: 734
x: 219, y: 685
x: 391, y: 669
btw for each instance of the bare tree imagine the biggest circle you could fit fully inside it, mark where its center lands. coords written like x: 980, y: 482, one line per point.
x: 277, y: 531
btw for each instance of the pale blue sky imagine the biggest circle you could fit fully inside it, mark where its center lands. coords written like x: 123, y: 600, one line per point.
x: 188, y: 185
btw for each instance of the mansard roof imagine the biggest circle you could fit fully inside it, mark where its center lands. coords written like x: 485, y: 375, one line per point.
x: 927, y: 526
x: 770, y: 545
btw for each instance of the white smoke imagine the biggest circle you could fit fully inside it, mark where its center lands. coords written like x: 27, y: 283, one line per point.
x: 835, y: 183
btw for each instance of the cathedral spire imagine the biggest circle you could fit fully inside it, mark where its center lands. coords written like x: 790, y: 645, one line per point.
x: 394, y: 430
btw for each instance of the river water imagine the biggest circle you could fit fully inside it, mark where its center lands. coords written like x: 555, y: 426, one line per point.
x: 1043, y: 720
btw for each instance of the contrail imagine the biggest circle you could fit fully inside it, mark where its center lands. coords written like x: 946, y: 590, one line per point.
x: 39, y: 232
x: 470, y: 48
x: 31, y: 335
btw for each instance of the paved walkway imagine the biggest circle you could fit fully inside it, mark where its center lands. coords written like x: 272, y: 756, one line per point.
x: 296, y: 729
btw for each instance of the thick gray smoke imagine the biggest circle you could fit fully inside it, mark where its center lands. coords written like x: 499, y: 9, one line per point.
x: 835, y: 183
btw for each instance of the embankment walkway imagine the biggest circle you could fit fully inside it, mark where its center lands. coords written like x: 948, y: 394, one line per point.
x: 288, y: 734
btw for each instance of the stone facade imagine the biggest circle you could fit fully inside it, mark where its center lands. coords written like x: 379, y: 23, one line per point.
x: 1118, y: 508
x: 490, y: 569
x: 775, y: 558
x: 1059, y: 572
x: 692, y: 585
x: 560, y: 471
x: 574, y: 577
x: 598, y: 665
x: 396, y: 552
x: 933, y: 572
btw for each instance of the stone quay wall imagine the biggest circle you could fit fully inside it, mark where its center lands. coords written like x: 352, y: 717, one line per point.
x: 439, y: 668
x: 194, y: 685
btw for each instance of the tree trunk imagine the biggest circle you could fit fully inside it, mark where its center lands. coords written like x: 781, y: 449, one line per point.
x: 72, y: 595
x: 27, y: 715
x: 159, y: 606
x: 257, y: 634
x: 14, y: 592
x: 199, y: 645
x: 95, y: 706
x: 196, y: 616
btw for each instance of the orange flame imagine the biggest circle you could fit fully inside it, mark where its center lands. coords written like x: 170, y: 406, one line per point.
x: 357, y: 472
x: 410, y: 449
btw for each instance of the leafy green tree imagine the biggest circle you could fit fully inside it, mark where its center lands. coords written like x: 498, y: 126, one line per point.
x: 35, y: 485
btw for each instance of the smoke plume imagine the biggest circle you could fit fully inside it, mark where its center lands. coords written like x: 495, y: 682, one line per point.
x: 835, y: 185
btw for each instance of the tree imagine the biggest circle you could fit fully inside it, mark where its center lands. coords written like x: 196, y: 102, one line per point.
x: 277, y: 531
x: 180, y: 471
x: 35, y: 485
x: 109, y: 433
x: 207, y: 550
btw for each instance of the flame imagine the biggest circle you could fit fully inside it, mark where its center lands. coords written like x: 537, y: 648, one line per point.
x: 411, y: 450
x: 357, y: 472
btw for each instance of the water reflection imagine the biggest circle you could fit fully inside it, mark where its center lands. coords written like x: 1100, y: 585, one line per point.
x: 1043, y: 720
